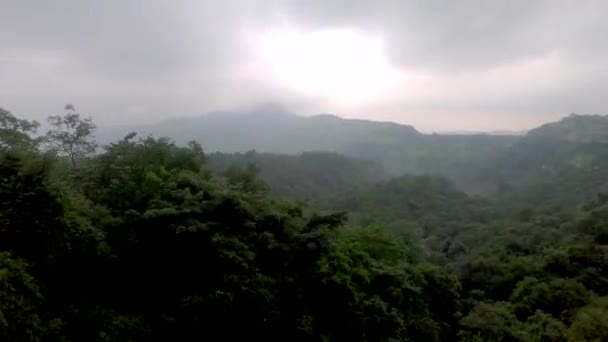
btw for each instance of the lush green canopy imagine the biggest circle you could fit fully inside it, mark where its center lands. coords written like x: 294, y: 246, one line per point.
x: 146, y: 240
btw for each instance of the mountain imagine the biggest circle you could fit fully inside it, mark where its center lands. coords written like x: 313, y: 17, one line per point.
x: 559, y: 163
x: 575, y: 128
x: 273, y: 131
x: 495, y: 132
x: 521, y: 168
x: 425, y: 199
x: 398, y: 148
x: 310, y: 176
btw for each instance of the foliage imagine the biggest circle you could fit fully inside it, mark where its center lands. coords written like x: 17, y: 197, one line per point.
x: 16, y: 132
x: 491, y: 322
x: 319, y: 178
x: 20, y: 301
x: 72, y: 135
x: 559, y: 297
x: 590, y: 322
x: 149, y: 240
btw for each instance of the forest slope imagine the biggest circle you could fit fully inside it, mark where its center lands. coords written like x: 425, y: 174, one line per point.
x: 398, y: 148
x: 567, y: 156
x: 150, y: 241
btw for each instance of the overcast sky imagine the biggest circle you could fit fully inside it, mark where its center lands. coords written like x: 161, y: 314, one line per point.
x: 438, y: 65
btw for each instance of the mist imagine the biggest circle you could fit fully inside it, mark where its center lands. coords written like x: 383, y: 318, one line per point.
x: 303, y: 170
x: 436, y: 65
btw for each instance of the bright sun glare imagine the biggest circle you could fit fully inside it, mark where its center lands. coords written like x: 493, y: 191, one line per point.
x: 345, y: 66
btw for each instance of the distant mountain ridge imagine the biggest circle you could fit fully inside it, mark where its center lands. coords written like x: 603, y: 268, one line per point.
x: 493, y: 132
x: 575, y: 128
x: 520, y: 166
x: 269, y: 131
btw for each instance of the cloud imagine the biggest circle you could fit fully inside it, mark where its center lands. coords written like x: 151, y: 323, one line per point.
x: 156, y: 58
x: 486, y: 64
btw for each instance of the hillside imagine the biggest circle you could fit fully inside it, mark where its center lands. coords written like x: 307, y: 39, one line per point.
x: 329, y: 181
x: 398, y: 148
x: 574, y: 128
x: 83, y: 238
x: 560, y: 163
x: 310, y: 176
x: 273, y: 130
x: 424, y: 205
x: 525, y: 168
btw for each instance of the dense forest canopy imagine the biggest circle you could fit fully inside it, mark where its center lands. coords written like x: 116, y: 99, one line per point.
x: 363, y: 234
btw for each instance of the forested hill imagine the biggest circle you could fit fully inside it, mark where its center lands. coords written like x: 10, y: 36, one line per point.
x: 524, y: 169
x: 272, y: 130
x: 560, y: 163
x: 147, y: 240
x: 574, y: 128
x: 335, y: 183
x: 310, y: 176
x: 400, y: 149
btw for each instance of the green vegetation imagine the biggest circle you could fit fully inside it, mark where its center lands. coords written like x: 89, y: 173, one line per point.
x: 149, y: 240
x: 521, y: 169
x: 310, y: 176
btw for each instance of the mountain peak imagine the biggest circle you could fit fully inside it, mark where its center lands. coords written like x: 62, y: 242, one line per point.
x: 327, y: 116
x: 267, y: 109
x: 575, y: 128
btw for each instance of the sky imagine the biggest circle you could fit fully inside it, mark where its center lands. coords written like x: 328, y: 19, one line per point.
x: 438, y: 65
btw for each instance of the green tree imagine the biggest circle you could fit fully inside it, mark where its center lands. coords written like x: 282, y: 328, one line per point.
x: 71, y: 135
x: 542, y: 327
x: 20, y: 300
x: 16, y: 132
x: 590, y: 323
x: 559, y: 297
x: 491, y: 322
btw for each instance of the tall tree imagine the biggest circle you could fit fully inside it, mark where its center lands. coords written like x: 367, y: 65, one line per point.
x: 15, y: 132
x: 72, y: 135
